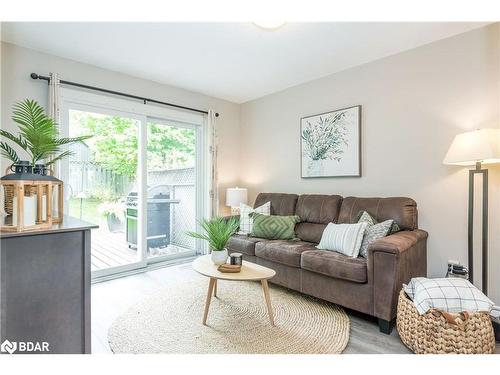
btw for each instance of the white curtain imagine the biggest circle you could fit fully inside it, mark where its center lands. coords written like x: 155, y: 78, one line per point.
x: 53, y: 106
x: 213, y: 188
x: 54, y: 85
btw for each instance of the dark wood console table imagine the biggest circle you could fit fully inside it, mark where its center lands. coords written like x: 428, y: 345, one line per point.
x: 45, y: 287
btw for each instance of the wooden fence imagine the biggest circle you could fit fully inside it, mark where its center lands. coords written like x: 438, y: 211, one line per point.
x: 91, y: 178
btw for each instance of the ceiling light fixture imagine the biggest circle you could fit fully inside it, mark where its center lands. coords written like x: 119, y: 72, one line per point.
x: 269, y: 24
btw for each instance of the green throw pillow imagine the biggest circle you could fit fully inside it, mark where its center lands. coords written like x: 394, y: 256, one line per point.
x: 274, y: 227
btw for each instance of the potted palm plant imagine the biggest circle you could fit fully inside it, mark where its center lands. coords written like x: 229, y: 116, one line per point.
x: 218, y: 231
x: 38, y: 137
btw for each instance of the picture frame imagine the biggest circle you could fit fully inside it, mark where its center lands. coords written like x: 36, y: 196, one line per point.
x: 330, y: 144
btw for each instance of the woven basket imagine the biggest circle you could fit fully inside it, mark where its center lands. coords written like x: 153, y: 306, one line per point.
x: 8, y: 191
x: 439, y: 332
x: 9, y: 196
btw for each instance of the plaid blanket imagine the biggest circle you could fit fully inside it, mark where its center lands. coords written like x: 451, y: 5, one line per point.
x: 453, y: 295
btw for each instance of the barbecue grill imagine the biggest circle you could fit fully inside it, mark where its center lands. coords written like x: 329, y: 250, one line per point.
x: 158, y: 217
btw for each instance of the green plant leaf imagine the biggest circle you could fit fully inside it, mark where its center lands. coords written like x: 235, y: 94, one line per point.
x: 38, y: 133
x: 17, y: 140
x: 8, y: 152
x: 61, y: 156
x: 64, y: 141
x: 28, y: 113
x: 218, y: 231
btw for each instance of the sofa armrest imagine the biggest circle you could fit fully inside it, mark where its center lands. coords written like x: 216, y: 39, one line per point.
x: 398, y: 243
x: 392, y: 261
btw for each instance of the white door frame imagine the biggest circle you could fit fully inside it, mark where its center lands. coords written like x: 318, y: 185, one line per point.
x: 91, y: 102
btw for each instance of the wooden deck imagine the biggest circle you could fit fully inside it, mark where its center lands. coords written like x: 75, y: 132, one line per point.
x: 111, y: 250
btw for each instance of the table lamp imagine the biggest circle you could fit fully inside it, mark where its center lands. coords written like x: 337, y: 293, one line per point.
x: 476, y: 147
x: 235, y: 196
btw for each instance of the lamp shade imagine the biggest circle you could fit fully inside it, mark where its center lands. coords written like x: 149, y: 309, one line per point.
x: 235, y: 196
x: 468, y: 148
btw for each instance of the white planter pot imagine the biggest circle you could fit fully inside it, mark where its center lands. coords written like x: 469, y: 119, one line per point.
x: 315, y: 168
x: 219, y: 257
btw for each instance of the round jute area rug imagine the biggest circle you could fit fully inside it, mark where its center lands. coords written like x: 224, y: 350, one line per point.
x: 170, y: 322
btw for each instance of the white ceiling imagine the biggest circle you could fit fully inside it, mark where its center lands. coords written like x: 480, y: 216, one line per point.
x: 233, y: 61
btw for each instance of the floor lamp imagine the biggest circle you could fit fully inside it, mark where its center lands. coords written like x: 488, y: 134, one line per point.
x: 477, y: 148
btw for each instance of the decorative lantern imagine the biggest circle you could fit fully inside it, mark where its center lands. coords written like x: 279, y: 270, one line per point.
x: 29, y: 201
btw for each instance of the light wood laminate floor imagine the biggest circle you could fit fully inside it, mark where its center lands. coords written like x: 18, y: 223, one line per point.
x: 111, y: 298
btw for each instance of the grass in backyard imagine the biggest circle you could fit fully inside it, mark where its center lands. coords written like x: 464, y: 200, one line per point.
x: 89, y: 209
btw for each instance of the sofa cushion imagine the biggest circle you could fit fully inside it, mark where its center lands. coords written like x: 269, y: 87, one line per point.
x: 310, y: 232
x: 283, y: 252
x: 315, y: 211
x: 242, y: 244
x: 317, y: 208
x: 336, y: 265
x: 402, y: 210
x: 281, y: 204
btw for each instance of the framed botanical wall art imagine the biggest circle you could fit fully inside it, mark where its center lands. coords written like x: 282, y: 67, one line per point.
x: 331, y: 144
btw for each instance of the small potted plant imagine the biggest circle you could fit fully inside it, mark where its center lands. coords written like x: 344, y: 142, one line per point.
x: 218, y: 231
x: 114, y: 214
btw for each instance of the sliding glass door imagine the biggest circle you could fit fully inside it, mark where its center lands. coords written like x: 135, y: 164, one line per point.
x: 172, y: 185
x: 102, y: 185
x: 138, y: 178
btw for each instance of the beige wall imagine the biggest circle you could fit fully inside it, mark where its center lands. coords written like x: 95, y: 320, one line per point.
x: 17, y: 64
x: 413, y: 105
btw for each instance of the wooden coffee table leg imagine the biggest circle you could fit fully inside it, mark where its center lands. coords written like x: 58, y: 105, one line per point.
x: 265, y: 288
x: 215, y: 288
x: 211, y: 284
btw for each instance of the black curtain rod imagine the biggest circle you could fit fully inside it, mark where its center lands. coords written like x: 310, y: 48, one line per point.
x: 145, y: 100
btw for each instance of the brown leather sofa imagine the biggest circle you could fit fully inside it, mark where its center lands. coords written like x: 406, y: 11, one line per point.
x: 370, y: 285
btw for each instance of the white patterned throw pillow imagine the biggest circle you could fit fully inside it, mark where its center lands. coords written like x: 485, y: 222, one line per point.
x: 246, y: 222
x: 453, y: 295
x: 343, y: 238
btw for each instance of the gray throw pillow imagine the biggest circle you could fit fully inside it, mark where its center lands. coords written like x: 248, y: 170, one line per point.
x: 373, y: 232
x: 365, y: 217
x: 395, y: 228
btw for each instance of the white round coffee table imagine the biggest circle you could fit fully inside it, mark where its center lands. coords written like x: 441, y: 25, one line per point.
x: 249, y: 272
